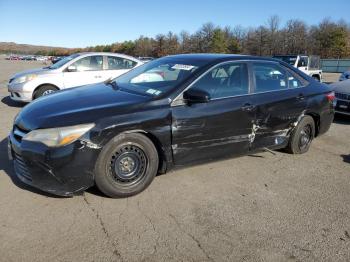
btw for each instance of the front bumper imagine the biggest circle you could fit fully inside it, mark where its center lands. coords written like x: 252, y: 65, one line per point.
x: 21, y: 92
x: 343, y: 106
x: 62, y: 171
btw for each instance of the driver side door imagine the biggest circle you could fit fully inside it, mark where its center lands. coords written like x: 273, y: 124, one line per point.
x: 217, y: 128
x: 85, y: 71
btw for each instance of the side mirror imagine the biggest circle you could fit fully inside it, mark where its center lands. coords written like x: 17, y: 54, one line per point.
x: 72, y: 68
x: 193, y: 96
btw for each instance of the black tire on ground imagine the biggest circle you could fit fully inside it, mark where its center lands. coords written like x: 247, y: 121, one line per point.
x: 302, y: 136
x: 126, y: 165
x: 44, y: 90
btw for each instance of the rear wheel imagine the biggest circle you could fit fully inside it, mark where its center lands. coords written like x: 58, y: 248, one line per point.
x: 44, y: 90
x: 126, y: 165
x: 302, y: 136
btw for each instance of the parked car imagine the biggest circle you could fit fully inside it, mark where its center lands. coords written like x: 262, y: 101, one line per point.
x: 310, y: 65
x: 344, y: 76
x: 119, y: 134
x: 75, y: 70
x: 342, y: 93
x: 13, y: 57
x: 41, y: 58
x: 54, y: 60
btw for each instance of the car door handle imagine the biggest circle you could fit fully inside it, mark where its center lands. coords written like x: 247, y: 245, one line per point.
x: 300, y: 97
x: 248, y: 107
x: 98, y: 76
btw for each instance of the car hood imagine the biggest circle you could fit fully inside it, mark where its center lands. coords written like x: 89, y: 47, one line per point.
x: 39, y: 71
x: 342, y: 87
x: 86, y: 104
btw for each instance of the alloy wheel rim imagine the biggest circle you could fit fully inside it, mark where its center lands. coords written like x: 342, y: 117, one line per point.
x: 47, y: 92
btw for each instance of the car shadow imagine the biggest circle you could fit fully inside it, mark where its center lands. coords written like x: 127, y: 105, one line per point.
x: 346, y: 158
x: 6, y: 165
x: 341, y: 119
x: 9, y: 102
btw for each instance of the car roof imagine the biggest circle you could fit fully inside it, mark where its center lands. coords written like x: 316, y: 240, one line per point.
x: 109, y: 54
x: 209, y: 57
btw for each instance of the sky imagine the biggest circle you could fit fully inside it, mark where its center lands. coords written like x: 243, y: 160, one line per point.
x: 81, y: 23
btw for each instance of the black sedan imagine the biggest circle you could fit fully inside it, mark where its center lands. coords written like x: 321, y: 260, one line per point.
x: 173, y: 111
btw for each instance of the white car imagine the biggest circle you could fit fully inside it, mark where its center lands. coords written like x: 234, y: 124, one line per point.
x: 309, y: 65
x: 74, y: 70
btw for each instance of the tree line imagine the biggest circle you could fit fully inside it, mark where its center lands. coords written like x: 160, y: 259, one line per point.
x: 329, y: 39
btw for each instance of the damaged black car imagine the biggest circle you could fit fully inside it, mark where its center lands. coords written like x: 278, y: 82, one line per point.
x: 173, y: 111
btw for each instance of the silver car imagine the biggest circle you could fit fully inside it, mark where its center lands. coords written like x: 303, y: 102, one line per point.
x: 71, y: 71
x: 342, y: 93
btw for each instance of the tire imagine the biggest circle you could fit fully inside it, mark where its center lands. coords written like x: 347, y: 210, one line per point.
x: 302, y: 136
x: 126, y: 165
x: 44, y: 90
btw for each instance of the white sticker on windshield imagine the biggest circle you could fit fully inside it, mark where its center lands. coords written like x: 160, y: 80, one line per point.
x: 183, y: 67
x: 295, y: 84
x: 283, y: 83
x: 151, y: 91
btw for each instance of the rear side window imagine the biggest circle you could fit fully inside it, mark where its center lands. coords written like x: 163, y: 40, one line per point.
x: 89, y: 63
x: 273, y: 77
x: 116, y: 63
x: 230, y: 79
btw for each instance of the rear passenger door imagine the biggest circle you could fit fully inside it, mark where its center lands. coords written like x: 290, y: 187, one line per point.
x: 279, y: 98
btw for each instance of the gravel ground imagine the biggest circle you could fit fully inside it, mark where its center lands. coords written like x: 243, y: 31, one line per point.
x: 262, y: 207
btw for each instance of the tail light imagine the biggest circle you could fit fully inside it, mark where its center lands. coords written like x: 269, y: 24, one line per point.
x: 331, y: 96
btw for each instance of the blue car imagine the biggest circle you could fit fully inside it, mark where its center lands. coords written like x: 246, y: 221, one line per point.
x: 344, y: 76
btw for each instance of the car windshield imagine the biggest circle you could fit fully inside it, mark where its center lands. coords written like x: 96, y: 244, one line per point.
x: 290, y: 59
x: 63, y: 61
x: 158, y: 76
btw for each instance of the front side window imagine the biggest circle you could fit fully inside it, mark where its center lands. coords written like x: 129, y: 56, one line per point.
x: 229, y: 79
x: 89, y: 63
x: 117, y: 63
x: 303, y: 61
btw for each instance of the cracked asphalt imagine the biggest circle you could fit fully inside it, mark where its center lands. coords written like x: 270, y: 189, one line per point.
x: 262, y: 207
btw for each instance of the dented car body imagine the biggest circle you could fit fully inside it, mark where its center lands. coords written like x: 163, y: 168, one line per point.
x: 219, y: 106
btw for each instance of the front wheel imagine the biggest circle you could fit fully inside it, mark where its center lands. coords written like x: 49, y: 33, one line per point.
x: 126, y: 165
x: 44, y: 91
x: 302, y: 136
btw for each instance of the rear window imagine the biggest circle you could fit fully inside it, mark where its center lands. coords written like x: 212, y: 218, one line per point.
x: 117, y: 63
x: 273, y: 77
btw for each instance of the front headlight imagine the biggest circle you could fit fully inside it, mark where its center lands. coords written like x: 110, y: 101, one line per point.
x: 25, y: 78
x: 56, y: 137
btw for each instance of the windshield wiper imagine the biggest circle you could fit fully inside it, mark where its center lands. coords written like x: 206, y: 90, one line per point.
x: 110, y: 81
